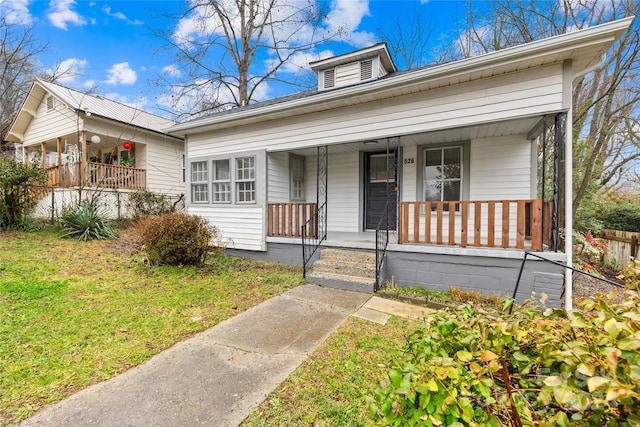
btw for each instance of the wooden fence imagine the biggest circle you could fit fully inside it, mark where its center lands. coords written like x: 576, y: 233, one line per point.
x: 623, y: 245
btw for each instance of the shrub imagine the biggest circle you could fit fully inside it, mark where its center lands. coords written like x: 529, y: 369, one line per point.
x: 613, y: 211
x: 589, y: 252
x: 177, y: 239
x: 85, y: 221
x: 17, y: 196
x: 145, y: 203
x: 630, y: 274
x: 548, y: 368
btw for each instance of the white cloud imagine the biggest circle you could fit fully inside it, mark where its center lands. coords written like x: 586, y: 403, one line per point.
x: 345, y: 17
x: 139, y: 102
x: 299, y: 62
x: 61, y: 13
x: 89, y: 84
x: 71, y: 68
x: 172, y: 70
x: 121, y: 74
x: 16, y: 11
x: 120, y: 15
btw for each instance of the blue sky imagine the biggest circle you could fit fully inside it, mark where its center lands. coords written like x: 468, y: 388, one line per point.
x: 109, y: 44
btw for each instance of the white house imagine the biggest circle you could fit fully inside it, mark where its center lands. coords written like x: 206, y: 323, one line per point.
x: 435, y: 169
x: 89, y: 141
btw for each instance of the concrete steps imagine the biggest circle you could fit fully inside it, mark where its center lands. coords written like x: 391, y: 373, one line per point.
x: 345, y: 269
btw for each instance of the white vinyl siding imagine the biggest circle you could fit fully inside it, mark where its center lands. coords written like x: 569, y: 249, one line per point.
x: 278, y: 176
x: 500, y: 168
x: 47, y: 124
x: 241, y: 227
x: 513, y: 95
x: 162, y: 159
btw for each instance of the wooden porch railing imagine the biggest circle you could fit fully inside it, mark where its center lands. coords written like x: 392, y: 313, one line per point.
x: 98, y: 175
x: 286, y: 219
x: 495, y: 224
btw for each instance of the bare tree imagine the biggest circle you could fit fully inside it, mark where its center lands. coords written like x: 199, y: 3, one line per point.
x: 18, y: 66
x: 410, y: 39
x: 217, y: 42
x: 606, y: 102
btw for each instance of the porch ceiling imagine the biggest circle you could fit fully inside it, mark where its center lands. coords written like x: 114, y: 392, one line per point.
x: 521, y: 126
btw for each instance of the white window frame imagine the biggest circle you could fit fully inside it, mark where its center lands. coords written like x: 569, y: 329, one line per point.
x: 296, y: 186
x: 245, y: 180
x: 199, y: 180
x: 459, y: 179
x: 220, y: 186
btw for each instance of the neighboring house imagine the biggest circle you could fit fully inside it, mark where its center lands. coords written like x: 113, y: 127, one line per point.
x: 89, y: 141
x: 442, y: 159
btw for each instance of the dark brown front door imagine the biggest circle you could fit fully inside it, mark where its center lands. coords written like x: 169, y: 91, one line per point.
x: 379, y: 189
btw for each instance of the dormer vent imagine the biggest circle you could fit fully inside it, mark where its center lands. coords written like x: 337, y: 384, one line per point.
x: 363, y: 65
x: 50, y: 103
x: 329, y: 78
x: 366, y: 69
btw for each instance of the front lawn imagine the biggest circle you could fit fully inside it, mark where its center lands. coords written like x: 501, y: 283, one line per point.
x: 76, y: 313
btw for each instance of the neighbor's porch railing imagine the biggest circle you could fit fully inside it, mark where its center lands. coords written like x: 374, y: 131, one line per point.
x: 516, y: 224
x: 287, y: 219
x: 98, y: 175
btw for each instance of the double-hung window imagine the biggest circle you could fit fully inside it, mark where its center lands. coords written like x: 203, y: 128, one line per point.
x: 296, y: 167
x: 245, y: 179
x: 443, y: 174
x: 221, y: 181
x: 199, y: 182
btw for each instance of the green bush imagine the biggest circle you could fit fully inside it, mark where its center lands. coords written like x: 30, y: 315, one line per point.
x: 613, y: 211
x: 177, y: 239
x: 86, y: 221
x: 17, y: 194
x: 145, y: 203
x: 546, y: 368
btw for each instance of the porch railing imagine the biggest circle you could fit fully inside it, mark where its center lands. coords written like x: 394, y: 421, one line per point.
x: 287, y: 219
x: 311, y: 241
x: 495, y: 224
x: 97, y: 175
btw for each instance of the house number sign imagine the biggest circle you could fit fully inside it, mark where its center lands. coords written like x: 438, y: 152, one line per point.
x: 409, y: 161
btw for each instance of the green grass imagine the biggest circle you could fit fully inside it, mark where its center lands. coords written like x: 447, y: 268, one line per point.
x: 76, y: 313
x: 331, y: 387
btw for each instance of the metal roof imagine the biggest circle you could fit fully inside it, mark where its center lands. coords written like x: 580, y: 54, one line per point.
x: 83, y: 103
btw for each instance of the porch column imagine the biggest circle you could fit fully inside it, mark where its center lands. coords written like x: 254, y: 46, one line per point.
x: 43, y: 158
x: 83, y: 158
x: 568, y: 187
x: 59, y: 150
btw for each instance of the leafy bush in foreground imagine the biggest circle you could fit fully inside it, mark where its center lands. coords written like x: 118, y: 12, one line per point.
x: 177, y: 239
x: 545, y: 368
x: 86, y: 221
x: 17, y: 196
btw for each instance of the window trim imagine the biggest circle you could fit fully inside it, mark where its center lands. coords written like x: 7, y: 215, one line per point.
x: 465, y: 172
x: 221, y: 181
x: 204, y: 182
x: 292, y: 159
x: 238, y: 180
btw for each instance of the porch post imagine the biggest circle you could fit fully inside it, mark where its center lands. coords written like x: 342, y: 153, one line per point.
x: 83, y: 157
x: 568, y: 189
x: 59, y: 150
x: 43, y: 155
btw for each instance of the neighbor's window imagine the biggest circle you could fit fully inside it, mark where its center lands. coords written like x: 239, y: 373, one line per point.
x: 221, y: 180
x: 199, y: 182
x: 443, y: 174
x: 296, y: 168
x: 245, y: 180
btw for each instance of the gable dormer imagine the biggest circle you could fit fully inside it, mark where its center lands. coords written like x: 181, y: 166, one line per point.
x: 363, y: 65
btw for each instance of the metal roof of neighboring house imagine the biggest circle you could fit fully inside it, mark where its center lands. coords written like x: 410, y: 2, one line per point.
x: 84, y: 103
x: 583, y: 50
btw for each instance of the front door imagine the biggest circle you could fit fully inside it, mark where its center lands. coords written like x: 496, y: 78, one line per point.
x: 378, y: 189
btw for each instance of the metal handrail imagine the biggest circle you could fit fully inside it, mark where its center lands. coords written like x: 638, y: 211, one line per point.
x: 313, y: 232
x: 382, y: 241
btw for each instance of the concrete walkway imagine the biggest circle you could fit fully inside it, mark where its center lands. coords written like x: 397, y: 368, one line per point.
x: 219, y: 376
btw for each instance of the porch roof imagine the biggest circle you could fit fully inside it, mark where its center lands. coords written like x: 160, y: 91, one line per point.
x: 584, y: 48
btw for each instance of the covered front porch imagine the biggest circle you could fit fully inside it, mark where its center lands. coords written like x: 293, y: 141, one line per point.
x: 97, y: 161
x: 429, y: 189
